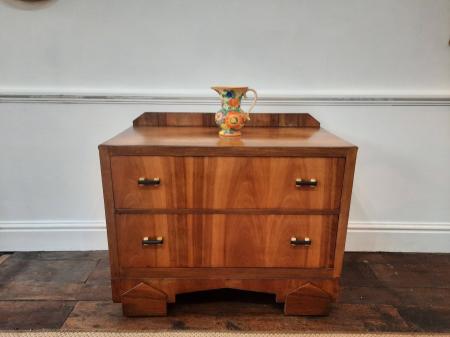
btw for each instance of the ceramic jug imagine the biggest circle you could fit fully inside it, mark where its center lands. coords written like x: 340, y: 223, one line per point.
x: 231, y: 118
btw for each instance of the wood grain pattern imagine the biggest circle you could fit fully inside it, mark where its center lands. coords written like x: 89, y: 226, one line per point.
x: 184, y: 119
x: 262, y: 211
x: 404, y: 293
x: 247, y: 273
x: 108, y: 198
x: 228, y: 151
x: 33, y: 315
x: 245, y: 313
x: 226, y: 241
x: 144, y: 300
x: 227, y: 209
x: 281, y: 288
x: 227, y: 183
x: 201, y: 141
x: 346, y: 196
x: 308, y: 299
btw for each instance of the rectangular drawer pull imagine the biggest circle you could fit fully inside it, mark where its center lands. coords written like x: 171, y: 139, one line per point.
x: 296, y: 242
x: 142, y: 181
x: 146, y: 241
x: 305, y: 182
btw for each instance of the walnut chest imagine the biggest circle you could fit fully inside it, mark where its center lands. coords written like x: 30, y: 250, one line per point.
x: 188, y: 211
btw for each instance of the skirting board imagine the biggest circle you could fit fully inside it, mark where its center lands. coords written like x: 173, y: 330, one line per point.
x: 91, y: 235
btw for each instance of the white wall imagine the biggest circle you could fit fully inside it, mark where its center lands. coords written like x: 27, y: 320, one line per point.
x: 374, y: 72
x: 285, y: 45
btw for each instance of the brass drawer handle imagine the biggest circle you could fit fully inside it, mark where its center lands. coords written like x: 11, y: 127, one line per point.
x: 152, y: 241
x: 305, y: 182
x: 305, y: 242
x: 142, y: 181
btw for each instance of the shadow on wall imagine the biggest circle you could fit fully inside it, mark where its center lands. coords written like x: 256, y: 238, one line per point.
x: 28, y: 4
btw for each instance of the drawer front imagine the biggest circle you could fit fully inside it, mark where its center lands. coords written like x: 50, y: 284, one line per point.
x: 189, y: 240
x: 227, y: 182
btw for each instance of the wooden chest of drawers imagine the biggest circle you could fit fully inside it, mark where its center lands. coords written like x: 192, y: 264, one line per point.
x: 187, y: 211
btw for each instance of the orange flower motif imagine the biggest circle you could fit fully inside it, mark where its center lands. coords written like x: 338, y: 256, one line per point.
x: 234, y: 102
x: 234, y: 120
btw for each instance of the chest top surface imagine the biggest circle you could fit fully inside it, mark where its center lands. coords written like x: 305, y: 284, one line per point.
x: 185, y: 132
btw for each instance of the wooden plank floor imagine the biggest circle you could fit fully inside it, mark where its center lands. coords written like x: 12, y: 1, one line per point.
x: 70, y: 291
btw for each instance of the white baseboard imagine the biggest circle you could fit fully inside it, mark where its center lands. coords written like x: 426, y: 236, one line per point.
x: 399, y: 237
x: 52, y: 235
x: 91, y: 235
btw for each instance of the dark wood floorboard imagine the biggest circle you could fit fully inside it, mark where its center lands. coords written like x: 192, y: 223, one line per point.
x: 231, y: 315
x: 98, y: 285
x: 40, y: 276
x: 26, y: 315
x: 3, y: 257
x: 383, y: 292
x: 426, y: 318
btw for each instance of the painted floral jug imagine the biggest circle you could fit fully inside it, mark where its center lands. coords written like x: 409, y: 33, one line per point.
x: 231, y: 118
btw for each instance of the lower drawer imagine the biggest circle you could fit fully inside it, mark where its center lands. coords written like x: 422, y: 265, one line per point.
x: 225, y: 240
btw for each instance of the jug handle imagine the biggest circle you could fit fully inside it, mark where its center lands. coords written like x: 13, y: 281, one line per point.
x: 254, y: 100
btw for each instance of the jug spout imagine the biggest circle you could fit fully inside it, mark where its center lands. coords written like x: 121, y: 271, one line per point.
x: 217, y: 89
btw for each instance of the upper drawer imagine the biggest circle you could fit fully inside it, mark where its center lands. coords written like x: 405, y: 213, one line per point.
x: 227, y: 182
